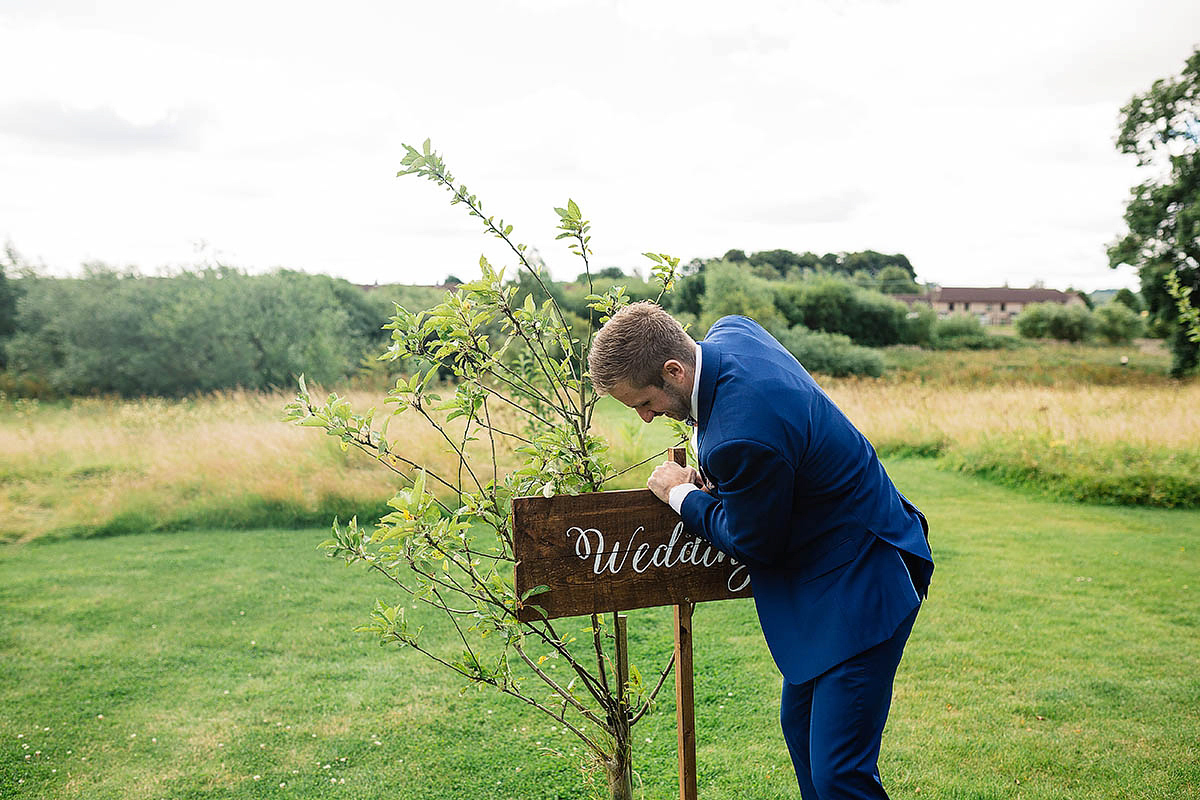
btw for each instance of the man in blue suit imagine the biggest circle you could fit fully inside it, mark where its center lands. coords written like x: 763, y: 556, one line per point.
x: 838, y: 559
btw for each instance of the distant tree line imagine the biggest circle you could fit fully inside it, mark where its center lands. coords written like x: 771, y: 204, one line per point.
x: 112, y: 331
x: 118, y: 332
x: 827, y: 310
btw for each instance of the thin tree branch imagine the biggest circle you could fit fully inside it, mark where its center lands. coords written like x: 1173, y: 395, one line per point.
x: 563, y: 693
x: 659, y: 454
x: 649, y: 701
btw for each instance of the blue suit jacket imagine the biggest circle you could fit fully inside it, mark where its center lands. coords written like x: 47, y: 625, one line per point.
x: 802, y: 500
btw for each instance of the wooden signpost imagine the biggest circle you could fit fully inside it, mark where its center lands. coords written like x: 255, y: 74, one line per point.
x: 614, y: 551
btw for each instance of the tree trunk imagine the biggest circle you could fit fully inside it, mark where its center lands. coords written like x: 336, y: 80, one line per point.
x: 618, y: 770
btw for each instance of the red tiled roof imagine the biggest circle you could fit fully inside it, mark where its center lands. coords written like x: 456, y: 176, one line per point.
x: 967, y: 294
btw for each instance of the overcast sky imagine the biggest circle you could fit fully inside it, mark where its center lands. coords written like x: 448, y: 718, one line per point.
x: 976, y: 138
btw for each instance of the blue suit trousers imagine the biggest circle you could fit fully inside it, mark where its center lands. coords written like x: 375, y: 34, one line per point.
x: 833, y: 723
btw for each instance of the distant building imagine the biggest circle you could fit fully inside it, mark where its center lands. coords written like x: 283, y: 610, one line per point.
x: 993, y: 305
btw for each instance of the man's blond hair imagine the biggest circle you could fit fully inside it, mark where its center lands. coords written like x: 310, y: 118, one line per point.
x: 634, y: 345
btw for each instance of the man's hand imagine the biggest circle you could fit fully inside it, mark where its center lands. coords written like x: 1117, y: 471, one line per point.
x: 669, y: 475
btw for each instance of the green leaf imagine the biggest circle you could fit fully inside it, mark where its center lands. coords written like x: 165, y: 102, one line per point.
x: 536, y: 590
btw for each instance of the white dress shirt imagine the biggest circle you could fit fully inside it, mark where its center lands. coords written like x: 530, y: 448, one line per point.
x: 675, y: 498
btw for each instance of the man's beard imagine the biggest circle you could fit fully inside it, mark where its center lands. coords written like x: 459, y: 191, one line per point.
x: 681, y: 404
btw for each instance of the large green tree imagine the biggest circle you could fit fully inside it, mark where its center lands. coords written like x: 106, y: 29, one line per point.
x: 122, y: 333
x: 895, y: 279
x: 1161, y: 127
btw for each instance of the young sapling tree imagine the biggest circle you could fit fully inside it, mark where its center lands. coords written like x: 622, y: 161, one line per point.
x: 516, y: 417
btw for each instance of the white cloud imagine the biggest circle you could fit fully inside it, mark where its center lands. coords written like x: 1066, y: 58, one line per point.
x: 45, y: 124
x: 975, y: 139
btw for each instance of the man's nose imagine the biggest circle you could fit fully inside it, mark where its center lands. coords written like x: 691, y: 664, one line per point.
x: 646, y: 414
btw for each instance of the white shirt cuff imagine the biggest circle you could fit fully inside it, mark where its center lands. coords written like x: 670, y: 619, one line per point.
x: 675, y: 498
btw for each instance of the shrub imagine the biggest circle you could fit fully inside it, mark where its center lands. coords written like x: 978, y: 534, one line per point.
x: 1072, y: 324
x: 731, y: 290
x: 918, y: 325
x: 830, y: 353
x: 835, y: 305
x: 1034, y: 320
x: 1117, y: 323
x: 957, y: 325
x: 1055, y: 321
x: 964, y: 332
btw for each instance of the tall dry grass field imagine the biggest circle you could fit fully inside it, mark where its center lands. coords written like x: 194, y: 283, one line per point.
x: 98, y: 466
x: 899, y: 416
x: 1124, y: 444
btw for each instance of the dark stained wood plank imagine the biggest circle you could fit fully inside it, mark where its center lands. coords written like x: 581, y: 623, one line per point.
x: 612, y: 551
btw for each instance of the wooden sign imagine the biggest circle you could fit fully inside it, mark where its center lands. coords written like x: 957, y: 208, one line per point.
x: 612, y: 551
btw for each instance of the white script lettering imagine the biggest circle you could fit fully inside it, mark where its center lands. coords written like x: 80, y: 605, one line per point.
x: 590, y: 547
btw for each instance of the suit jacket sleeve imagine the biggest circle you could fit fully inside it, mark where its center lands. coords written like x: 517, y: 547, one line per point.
x: 748, y: 515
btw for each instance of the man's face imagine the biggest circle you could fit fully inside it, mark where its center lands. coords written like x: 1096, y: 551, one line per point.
x: 673, y: 398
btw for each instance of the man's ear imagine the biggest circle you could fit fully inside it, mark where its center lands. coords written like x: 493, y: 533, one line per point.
x: 674, y: 372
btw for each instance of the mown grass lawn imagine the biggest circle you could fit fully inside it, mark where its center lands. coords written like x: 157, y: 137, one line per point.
x: 1058, y: 657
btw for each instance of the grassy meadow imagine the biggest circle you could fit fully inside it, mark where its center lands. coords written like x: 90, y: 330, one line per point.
x: 1057, y: 657
x: 212, y: 654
